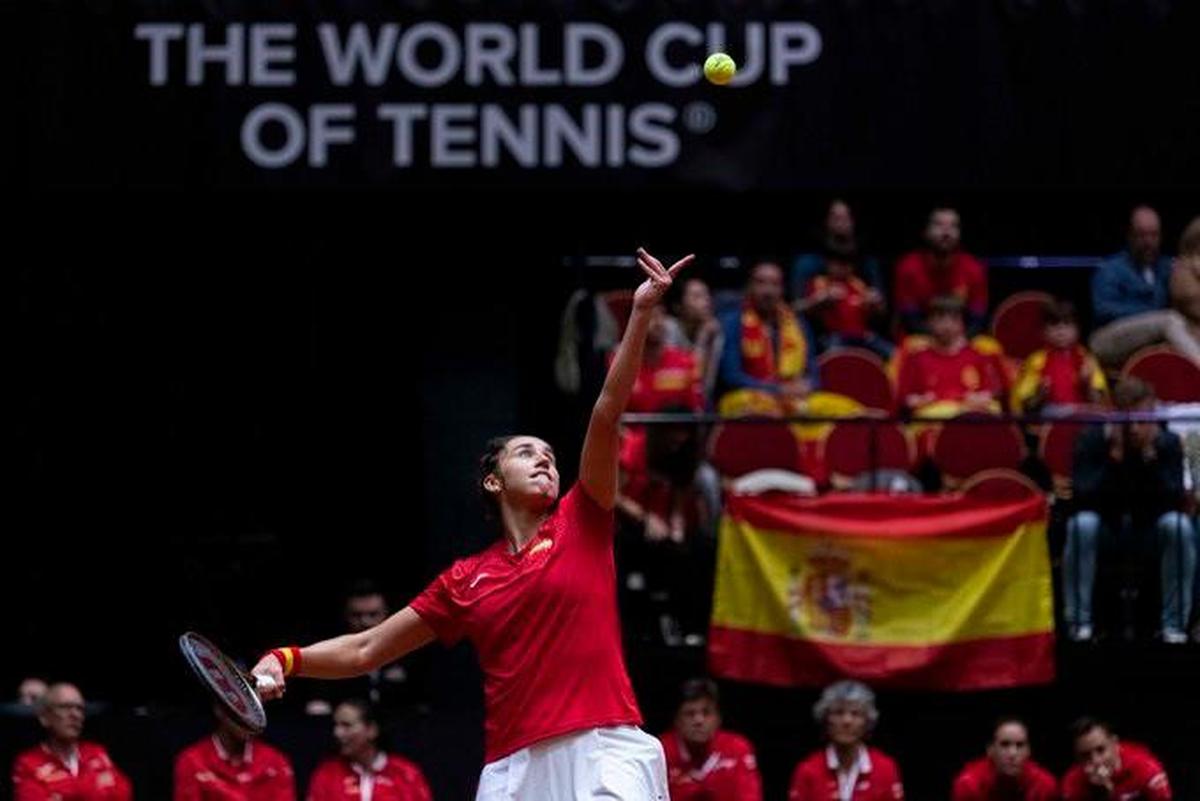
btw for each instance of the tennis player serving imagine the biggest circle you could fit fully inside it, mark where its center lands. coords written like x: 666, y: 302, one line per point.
x: 540, y: 607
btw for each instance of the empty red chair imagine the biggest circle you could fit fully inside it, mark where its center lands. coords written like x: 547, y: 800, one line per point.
x: 857, y: 374
x: 1175, y: 378
x: 739, y: 449
x: 848, y: 452
x: 1019, y: 322
x: 961, y: 448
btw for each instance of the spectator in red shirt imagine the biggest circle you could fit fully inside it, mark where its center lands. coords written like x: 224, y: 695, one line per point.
x: 64, y: 766
x: 694, y: 327
x: 842, y: 304
x: 1007, y: 773
x: 940, y: 268
x: 230, y: 765
x: 361, y: 771
x: 1064, y: 374
x: 948, y: 369
x: 704, y: 762
x: 1106, y: 768
x: 847, y: 769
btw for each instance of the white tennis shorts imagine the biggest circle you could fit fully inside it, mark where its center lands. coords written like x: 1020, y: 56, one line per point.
x: 613, y: 762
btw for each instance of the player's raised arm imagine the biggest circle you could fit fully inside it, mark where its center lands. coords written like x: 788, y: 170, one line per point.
x: 598, y: 463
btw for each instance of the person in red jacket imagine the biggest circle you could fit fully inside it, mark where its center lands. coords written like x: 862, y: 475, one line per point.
x: 361, y: 771
x: 64, y: 767
x: 1106, y: 768
x: 1007, y: 773
x: 705, y: 763
x: 230, y: 765
x: 847, y: 769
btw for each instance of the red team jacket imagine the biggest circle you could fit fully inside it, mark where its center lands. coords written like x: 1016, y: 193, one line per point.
x: 1141, y: 778
x: 878, y: 778
x: 979, y: 781
x: 39, y: 775
x: 204, y: 772
x: 728, y: 773
x: 390, y: 779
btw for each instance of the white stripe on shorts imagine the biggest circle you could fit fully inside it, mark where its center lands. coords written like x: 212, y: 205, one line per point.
x: 617, y: 763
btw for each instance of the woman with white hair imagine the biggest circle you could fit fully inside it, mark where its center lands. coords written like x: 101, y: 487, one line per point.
x: 847, y: 768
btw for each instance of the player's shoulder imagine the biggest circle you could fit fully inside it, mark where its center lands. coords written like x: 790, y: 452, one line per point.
x: 1139, y: 758
x: 195, y: 751
x: 403, y: 768
x: 733, y: 743
x: 330, y: 766
x: 271, y: 755
x: 34, y: 755
x: 881, y: 761
x: 1040, y: 777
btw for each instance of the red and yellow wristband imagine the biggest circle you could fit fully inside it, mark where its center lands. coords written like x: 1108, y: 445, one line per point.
x: 289, y: 659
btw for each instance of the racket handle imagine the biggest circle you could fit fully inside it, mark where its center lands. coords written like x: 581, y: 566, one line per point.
x: 263, y: 682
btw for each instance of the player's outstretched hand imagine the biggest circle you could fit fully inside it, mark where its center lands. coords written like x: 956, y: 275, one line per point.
x: 652, y: 290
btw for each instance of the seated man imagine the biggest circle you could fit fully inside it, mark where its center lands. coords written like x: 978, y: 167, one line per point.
x: 947, y: 371
x: 767, y: 362
x: 705, y: 763
x: 1129, y: 298
x: 64, y: 766
x: 1106, y: 768
x: 1130, y: 475
x: 1006, y: 773
x: 230, y: 765
x: 941, y: 268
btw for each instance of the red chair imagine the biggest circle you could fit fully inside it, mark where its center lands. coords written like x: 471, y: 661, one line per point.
x: 846, y: 451
x: 1175, y: 378
x: 1019, y: 322
x: 857, y: 374
x: 961, y: 448
x: 1000, y: 485
x: 739, y: 449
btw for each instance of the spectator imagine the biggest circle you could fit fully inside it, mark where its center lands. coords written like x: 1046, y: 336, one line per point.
x: 1130, y: 294
x: 1007, y: 773
x: 1063, y: 375
x: 694, y: 327
x: 846, y: 768
x: 1106, y: 768
x: 704, y: 762
x: 839, y: 231
x: 948, y: 370
x: 230, y: 765
x: 767, y: 363
x: 389, y: 687
x: 30, y: 691
x: 843, y: 305
x: 940, y: 268
x: 64, y: 766
x: 1129, y: 477
x: 669, y: 375
x: 361, y: 771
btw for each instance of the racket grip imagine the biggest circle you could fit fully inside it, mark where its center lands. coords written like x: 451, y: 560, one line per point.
x: 263, y: 682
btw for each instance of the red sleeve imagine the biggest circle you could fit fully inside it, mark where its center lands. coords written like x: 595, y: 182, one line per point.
x: 906, y: 296
x: 1157, y: 786
x: 1074, y: 786
x: 895, y: 783
x: 580, y: 511
x: 439, y: 610
x: 323, y: 786
x: 977, y: 289
x: 283, y: 787
x: 799, y: 789
x: 420, y: 788
x: 964, y: 788
x: 749, y: 782
x: 1045, y: 788
x: 186, y: 786
x: 123, y: 790
x: 26, y: 787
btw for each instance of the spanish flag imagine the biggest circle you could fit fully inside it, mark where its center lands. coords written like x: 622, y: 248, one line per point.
x: 946, y: 593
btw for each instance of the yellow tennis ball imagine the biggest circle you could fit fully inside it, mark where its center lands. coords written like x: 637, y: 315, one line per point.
x: 719, y: 68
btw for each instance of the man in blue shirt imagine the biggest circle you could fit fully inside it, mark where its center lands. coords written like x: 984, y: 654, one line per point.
x: 1130, y: 297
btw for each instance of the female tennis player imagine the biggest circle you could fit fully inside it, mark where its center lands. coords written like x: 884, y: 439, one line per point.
x: 540, y: 607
